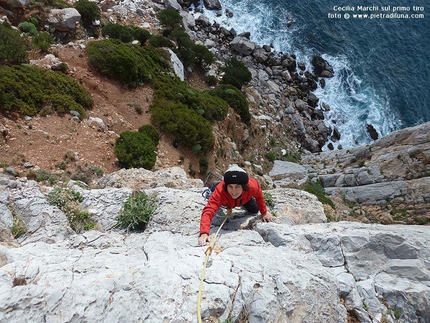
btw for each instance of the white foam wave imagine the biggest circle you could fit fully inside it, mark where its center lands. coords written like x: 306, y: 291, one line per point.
x: 354, y: 105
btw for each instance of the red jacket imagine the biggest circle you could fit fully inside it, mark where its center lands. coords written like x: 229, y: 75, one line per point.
x: 222, y: 198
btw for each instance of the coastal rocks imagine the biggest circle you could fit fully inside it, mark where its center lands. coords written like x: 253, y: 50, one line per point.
x: 212, y: 4
x: 372, y: 132
x: 321, y: 67
x: 242, y: 45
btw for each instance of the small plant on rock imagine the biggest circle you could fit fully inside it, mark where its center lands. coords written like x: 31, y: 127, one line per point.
x: 67, y: 200
x: 137, y: 211
x: 18, y: 227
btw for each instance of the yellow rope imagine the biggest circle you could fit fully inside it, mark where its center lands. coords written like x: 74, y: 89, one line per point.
x: 207, y: 253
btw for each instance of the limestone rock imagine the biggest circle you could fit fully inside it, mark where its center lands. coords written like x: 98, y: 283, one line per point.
x: 64, y: 19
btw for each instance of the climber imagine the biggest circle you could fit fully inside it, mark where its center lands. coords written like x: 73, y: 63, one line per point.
x: 237, y: 189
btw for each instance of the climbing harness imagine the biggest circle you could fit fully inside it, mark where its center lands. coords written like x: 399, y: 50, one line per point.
x: 208, y: 253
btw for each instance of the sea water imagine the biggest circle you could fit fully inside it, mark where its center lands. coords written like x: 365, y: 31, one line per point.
x: 380, y: 52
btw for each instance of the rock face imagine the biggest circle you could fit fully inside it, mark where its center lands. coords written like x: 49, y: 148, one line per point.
x: 297, y: 269
x: 386, y: 179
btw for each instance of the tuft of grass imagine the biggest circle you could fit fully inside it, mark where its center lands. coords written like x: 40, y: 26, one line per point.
x: 67, y: 200
x: 137, y: 211
x: 269, y: 199
x: 19, y: 227
x: 317, y: 189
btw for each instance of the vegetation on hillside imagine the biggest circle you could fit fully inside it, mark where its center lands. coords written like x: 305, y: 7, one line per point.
x: 13, y: 48
x: 28, y: 90
x: 235, y: 99
x: 131, y: 65
x: 135, y: 150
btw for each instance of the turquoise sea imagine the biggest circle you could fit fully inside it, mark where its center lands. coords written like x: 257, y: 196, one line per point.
x: 380, y: 52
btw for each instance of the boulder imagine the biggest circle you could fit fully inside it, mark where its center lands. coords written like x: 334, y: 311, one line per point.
x: 64, y: 19
x: 242, y: 45
x: 212, y: 4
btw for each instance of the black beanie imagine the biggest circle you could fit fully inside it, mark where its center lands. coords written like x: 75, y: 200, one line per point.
x: 235, y: 175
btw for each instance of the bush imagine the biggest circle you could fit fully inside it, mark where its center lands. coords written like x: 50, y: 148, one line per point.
x: 203, y: 55
x: 141, y: 35
x: 236, y: 73
x: 189, y: 53
x: 170, y: 18
x: 43, y: 41
x: 34, y: 21
x: 135, y: 150
x: 160, y: 41
x: 27, y: 90
x: 13, y: 48
x: 203, y: 165
x: 317, y: 189
x: 208, y: 106
x: 137, y: 211
x: 67, y: 200
x: 89, y: 11
x: 28, y: 28
x: 118, y: 31
x: 192, y: 130
x: 271, y: 156
x: 151, y: 132
x: 131, y: 65
x: 235, y: 99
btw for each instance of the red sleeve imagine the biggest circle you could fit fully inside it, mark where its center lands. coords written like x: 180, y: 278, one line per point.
x: 208, y: 213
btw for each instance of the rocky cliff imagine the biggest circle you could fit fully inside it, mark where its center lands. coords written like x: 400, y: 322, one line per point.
x: 297, y: 269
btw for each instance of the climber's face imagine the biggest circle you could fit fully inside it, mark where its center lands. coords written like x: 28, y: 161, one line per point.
x: 235, y: 190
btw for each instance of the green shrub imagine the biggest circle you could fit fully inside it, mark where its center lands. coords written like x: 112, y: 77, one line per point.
x: 118, y: 31
x: 188, y: 52
x: 160, y: 41
x: 170, y: 18
x: 235, y: 99
x: 135, y: 150
x: 236, y: 73
x: 137, y: 211
x: 43, y: 41
x: 63, y: 104
x: 192, y: 130
x: 28, y: 28
x: 131, y: 65
x: 19, y: 227
x: 271, y: 156
x: 151, y: 132
x: 34, y: 21
x: 172, y: 89
x: 268, y: 198
x: 67, y: 200
x: 13, y: 48
x: 27, y: 90
x: 141, y: 35
x: 89, y: 11
x: 211, y: 80
x: 316, y: 189
x: 203, y: 165
x: 203, y: 56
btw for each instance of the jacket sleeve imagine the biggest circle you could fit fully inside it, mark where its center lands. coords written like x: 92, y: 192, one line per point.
x: 208, y: 213
x: 259, y: 198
